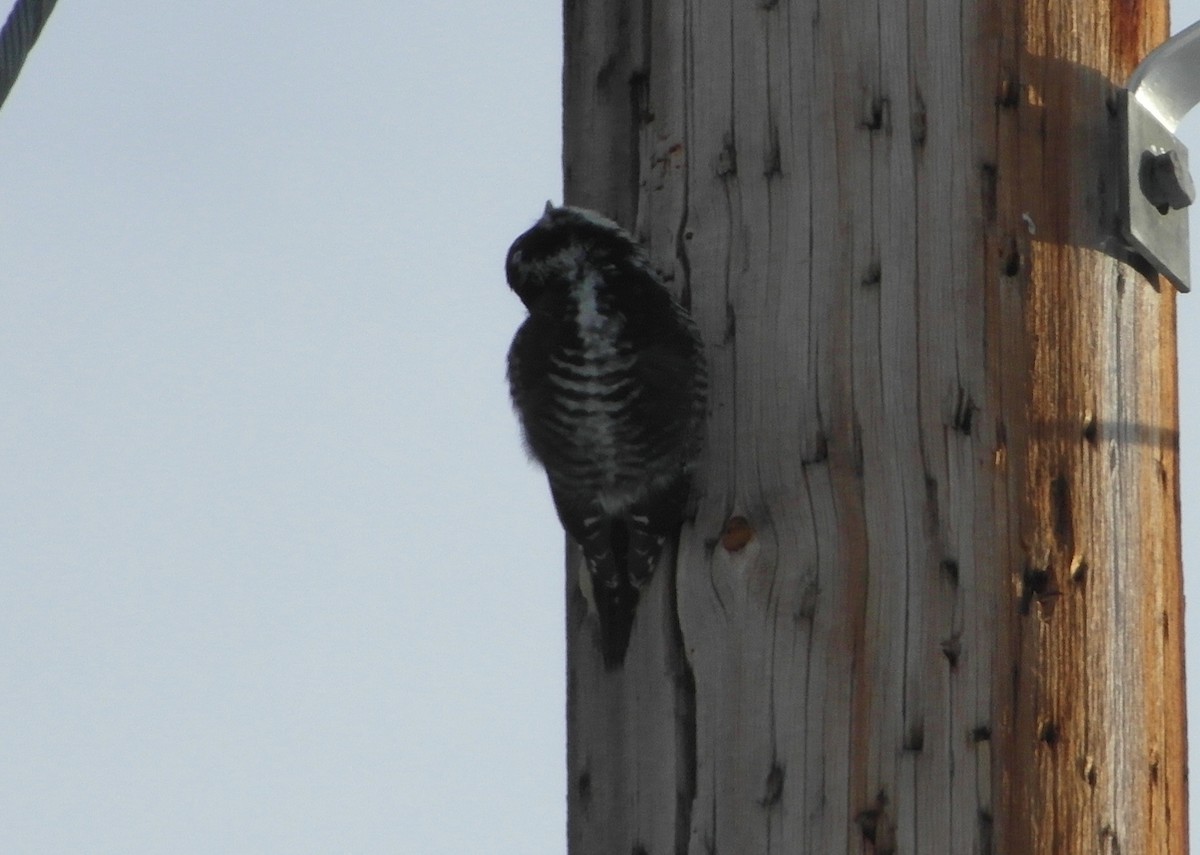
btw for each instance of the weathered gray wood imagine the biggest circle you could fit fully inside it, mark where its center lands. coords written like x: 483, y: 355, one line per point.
x: 931, y: 599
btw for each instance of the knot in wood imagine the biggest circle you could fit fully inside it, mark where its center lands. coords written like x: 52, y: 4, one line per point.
x: 737, y: 533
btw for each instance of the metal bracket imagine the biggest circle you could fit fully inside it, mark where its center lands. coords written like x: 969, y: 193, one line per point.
x: 1156, y: 185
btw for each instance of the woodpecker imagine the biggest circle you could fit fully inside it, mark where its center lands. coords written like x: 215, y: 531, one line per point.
x: 608, y: 380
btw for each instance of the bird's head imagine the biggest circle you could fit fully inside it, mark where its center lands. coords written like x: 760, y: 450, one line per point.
x: 560, y: 246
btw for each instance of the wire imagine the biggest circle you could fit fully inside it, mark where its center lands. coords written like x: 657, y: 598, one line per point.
x: 21, y: 30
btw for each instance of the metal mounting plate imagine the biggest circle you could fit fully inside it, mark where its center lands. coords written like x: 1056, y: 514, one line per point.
x: 1161, y: 237
x: 1161, y: 90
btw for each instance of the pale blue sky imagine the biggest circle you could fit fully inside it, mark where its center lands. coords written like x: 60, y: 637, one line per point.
x: 268, y: 528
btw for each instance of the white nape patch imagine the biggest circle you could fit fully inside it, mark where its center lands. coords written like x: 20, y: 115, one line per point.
x: 597, y: 332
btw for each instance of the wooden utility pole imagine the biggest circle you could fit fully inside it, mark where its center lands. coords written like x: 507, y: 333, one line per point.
x: 931, y: 600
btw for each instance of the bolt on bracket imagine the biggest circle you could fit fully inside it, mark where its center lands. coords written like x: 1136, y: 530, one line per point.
x: 1156, y: 185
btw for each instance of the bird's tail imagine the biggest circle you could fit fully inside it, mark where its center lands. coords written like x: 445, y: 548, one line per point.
x: 620, y: 555
x: 616, y: 604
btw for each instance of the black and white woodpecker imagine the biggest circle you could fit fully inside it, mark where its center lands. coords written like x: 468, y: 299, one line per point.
x: 608, y: 379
